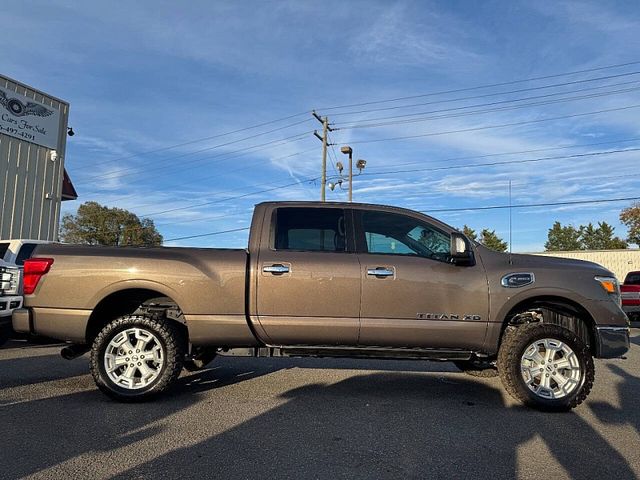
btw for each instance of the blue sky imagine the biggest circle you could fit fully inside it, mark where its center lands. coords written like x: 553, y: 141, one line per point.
x: 143, y: 76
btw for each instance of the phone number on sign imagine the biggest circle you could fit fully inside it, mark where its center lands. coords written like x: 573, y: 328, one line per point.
x: 17, y: 133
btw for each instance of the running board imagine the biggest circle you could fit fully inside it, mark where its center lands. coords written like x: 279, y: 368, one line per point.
x: 397, y: 353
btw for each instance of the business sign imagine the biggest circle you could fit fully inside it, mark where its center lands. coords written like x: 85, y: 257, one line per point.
x: 23, y: 118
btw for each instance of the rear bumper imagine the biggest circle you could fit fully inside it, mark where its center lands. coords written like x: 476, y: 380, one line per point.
x: 611, y: 341
x: 21, y: 320
x: 59, y: 323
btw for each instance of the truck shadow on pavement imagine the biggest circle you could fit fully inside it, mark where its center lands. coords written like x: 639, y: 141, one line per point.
x: 395, y: 425
x: 22, y: 371
x: 628, y: 397
x: 390, y: 424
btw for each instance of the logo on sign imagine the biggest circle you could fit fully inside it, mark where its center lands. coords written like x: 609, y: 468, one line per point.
x: 515, y: 280
x: 19, y: 109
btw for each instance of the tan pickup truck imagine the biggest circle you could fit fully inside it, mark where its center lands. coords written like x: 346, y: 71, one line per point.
x: 329, y: 280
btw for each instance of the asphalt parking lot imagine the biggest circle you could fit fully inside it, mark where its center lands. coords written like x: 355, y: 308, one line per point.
x: 308, y: 418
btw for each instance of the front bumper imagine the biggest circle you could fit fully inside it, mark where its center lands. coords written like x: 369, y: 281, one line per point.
x: 611, y: 341
x: 8, y: 305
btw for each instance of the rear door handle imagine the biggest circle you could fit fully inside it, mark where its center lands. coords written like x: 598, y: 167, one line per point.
x: 277, y: 269
x: 380, y: 272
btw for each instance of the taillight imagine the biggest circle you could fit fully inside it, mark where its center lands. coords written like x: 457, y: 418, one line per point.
x: 34, y: 270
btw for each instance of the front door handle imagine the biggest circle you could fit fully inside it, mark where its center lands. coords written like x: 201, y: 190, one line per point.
x: 277, y: 269
x: 380, y: 272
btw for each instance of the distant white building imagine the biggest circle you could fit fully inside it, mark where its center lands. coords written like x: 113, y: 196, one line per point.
x: 619, y: 262
x: 33, y: 181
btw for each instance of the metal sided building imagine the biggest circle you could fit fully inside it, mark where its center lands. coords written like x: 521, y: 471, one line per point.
x: 33, y: 181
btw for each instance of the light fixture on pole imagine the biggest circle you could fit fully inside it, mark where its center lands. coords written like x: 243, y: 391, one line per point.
x: 347, y: 150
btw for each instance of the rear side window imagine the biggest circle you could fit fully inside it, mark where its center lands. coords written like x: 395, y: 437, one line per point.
x: 3, y: 249
x: 25, y: 252
x: 633, y: 278
x: 311, y: 229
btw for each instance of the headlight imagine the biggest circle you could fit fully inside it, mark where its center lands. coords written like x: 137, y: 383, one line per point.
x: 9, y: 281
x: 610, y: 285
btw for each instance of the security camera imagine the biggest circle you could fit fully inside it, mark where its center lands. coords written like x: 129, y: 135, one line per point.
x: 70, y: 132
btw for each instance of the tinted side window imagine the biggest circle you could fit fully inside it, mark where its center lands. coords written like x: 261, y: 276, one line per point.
x: 25, y: 252
x: 396, y: 234
x: 313, y: 229
x: 3, y: 249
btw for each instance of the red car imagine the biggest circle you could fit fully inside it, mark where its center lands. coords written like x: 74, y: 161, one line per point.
x: 631, y: 295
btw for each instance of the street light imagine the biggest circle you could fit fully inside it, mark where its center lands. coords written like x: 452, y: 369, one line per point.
x: 347, y: 150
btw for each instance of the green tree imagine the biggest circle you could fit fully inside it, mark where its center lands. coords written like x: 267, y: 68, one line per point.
x: 600, y: 237
x: 561, y: 238
x: 96, y: 224
x: 470, y: 233
x: 490, y: 240
x: 631, y: 218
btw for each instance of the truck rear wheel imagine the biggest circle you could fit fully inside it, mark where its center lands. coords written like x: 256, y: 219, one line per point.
x: 136, y: 357
x: 546, y: 367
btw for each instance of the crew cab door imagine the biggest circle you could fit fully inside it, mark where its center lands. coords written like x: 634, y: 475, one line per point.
x: 308, y: 278
x: 412, y: 295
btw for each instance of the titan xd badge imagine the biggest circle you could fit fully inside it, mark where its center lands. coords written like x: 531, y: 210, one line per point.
x: 515, y: 280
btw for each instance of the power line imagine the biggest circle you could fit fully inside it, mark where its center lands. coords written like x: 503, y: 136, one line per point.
x: 144, y: 169
x: 532, y: 205
x: 522, y: 151
x: 488, y: 127
x: 203, y: 139
x: 494, y: 94
x: 493, y: 207
x: 467, y: 89
x: 449, y: 167
x: 487, y: 110
x: 505, y: 162
x: 218, y: 174
x: 306, y: 180
x: 206, y: 234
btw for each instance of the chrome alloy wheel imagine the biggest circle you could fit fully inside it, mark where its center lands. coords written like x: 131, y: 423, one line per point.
x: 550, y: 368
x: 134, y: 358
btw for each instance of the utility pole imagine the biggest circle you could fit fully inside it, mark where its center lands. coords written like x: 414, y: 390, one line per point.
x: 324, y: 139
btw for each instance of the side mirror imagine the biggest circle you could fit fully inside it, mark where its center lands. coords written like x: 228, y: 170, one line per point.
x: 461, y: 253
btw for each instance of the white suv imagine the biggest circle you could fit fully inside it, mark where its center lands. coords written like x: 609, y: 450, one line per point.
x: 10, y: 299
x: 13, y: 253
x: 17, y: 251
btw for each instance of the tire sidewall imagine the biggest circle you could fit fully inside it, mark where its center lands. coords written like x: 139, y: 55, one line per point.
x: 572, y: 341
x: 99, y: 349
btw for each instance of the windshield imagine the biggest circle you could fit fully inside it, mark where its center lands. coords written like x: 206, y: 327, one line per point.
x: 633, y: 278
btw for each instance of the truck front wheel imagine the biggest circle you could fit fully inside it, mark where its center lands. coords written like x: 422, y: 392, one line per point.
x: 136, y: 357
x: 546, y: 366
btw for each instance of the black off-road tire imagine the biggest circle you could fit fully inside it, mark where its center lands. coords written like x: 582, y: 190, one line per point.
x: 509, y: 366
x: 476, y: 370
x: 170, y: 335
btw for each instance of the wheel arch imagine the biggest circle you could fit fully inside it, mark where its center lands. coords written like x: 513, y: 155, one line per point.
x: 559, y: 310
x: 128, y: 301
